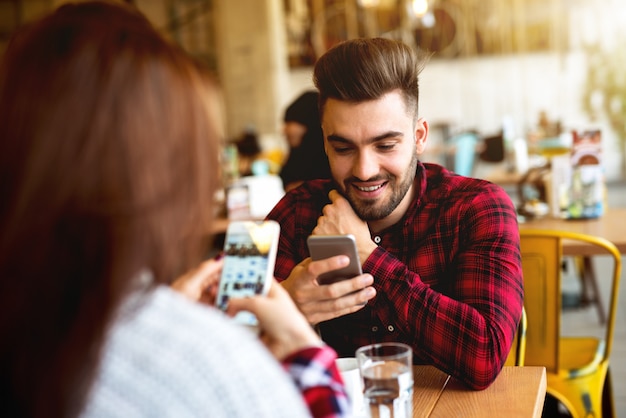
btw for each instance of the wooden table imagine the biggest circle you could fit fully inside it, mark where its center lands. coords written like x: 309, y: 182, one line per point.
x: 517, y: 392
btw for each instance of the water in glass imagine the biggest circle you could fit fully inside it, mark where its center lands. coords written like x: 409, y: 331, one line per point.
x: 388, y: 389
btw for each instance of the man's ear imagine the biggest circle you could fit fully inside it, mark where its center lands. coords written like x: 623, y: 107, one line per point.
x: 421, y: 134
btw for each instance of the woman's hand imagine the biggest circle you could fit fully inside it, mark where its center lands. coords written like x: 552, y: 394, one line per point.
x: 284, y: 330
x: 200, y: 284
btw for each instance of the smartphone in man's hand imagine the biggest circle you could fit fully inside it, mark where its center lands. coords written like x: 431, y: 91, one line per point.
x: 325, y: 246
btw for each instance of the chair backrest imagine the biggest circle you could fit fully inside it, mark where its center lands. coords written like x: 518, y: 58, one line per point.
x: 542, y: 252
x: 518, y: 348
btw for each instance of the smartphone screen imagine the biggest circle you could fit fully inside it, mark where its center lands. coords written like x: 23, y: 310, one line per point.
x: 325, y: 246
x: 249, y: 257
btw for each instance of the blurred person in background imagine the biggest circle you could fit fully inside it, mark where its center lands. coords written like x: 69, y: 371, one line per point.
x: 248, y: 151
x: 108, y: 164
x: 302, y: 127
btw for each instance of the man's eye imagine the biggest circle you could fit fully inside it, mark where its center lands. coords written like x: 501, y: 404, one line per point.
x: 342, y: 150
x: 386, y: 147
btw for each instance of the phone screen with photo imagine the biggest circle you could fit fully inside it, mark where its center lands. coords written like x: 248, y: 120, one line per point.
x: 249, y: 257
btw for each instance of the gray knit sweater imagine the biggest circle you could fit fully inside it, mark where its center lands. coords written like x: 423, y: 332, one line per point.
x: 169, y: 357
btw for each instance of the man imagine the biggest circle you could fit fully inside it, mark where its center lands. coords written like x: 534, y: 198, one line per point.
x: 440, y: 251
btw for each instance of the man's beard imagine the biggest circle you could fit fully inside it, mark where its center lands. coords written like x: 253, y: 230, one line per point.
x: 374, y: 209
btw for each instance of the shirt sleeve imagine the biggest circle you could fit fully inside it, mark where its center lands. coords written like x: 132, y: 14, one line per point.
x: 464, y: 321
x: 316, y: 375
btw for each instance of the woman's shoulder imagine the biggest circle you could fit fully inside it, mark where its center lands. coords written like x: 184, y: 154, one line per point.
x: 169, y: 356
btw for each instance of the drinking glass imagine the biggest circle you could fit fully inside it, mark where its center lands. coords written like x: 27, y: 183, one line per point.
x: 387, y: 373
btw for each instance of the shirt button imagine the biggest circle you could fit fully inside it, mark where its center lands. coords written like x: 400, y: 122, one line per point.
x: 390, y: 328
x: 377, y: 239
x: 374, y: 328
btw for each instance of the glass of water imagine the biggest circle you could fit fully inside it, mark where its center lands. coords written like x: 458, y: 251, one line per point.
x: 387, y: 373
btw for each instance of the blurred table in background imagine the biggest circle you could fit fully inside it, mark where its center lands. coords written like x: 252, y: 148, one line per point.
x: 503, y: 177
x: 219, y: 225
x: 610, y: 226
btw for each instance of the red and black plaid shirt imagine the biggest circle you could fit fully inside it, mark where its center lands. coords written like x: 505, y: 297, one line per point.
x: 448, y: 274
x: 315, y: 373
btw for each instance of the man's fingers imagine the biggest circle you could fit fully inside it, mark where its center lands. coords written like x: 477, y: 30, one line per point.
x: 302, y: 284
x: 322, y: 310
x: 344, y: 287
x: 316, y: 268
x: 321, y: 314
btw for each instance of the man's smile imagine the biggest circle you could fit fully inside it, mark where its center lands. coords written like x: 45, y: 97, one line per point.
x: 369, y: 188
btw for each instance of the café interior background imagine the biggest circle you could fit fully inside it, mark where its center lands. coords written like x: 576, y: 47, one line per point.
x: 495, y: 63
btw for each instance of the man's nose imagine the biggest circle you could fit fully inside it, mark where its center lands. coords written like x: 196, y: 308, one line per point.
x: 365, y: 166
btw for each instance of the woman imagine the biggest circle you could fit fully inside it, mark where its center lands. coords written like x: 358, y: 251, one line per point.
x: 108, y: 164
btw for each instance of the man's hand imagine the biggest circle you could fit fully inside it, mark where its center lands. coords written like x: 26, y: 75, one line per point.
x: 323, y: 302
x: 339, y: 218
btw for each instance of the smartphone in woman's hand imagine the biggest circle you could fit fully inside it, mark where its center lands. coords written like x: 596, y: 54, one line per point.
x: 249, y: 257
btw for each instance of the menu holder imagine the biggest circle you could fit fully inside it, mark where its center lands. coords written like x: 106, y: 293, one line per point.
x: 253, y: 197
x: 238, y: 202
x: 578, y: 178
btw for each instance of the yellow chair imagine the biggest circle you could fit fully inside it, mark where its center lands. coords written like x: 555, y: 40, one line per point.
x: 590, y: 292
x: 518, y: 348
x: 577, y: 367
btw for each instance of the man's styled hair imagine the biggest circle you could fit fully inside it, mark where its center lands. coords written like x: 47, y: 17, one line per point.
x: 366, y: 69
